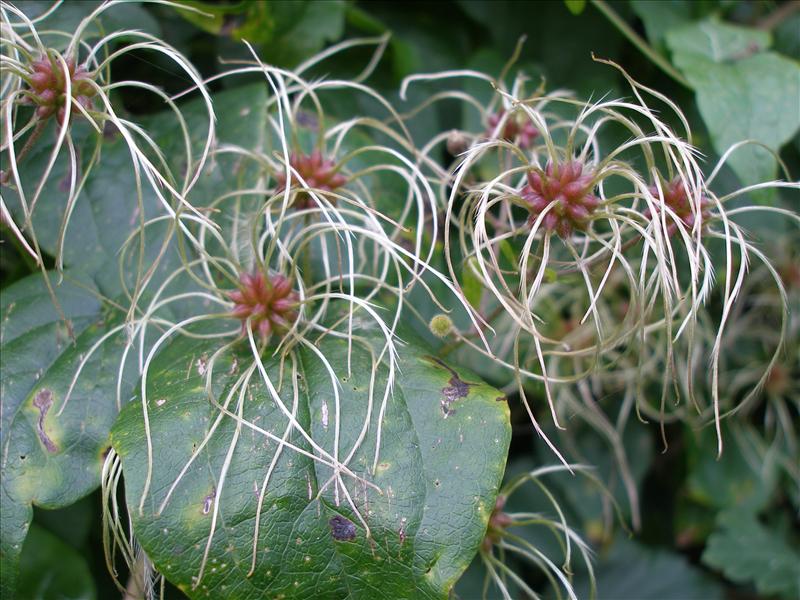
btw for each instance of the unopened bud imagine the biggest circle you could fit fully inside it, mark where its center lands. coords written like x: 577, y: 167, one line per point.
x: 440, y: 325
x: 457, y: 142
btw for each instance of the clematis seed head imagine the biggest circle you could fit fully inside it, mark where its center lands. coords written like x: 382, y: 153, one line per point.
x: 676, y: 197
x: 569, y: 188
x: 517, y: 129
x: 48, y: 86
x: 318, y: 172
x: 268, y: 301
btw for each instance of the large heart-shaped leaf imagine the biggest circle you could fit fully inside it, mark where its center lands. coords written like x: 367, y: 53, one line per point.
x: 50, y: 459
x: 445, y: 437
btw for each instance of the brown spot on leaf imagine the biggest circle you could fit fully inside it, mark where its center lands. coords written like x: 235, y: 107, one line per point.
x: 455, y: 390
x: 342, y: 529
x: 209, y: 500
x: 43, y: 400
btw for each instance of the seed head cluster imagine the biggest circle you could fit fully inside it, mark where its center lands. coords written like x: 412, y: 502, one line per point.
x: 676, y: 197
x: 268, y: 301
x: 516, y: 130
x: 318, y: 172
x: 48, y: 83
x: 570, y: 187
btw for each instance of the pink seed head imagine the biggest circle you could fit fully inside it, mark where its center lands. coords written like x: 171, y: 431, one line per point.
x: 676, y: 197
x: 268, y: 301
x: 569, y: 189
x: 517, y: 129
x: 318, y: 173
x: 48, y: 84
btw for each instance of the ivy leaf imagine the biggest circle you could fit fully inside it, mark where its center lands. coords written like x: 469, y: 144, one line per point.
x: 747, y: 551
x: 48, y: 459
x: 743, y: 92
x: 445, y: 438
x: 53, y: 570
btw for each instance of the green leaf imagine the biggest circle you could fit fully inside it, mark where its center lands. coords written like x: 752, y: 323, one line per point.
x: 363, y: 20
x: 717, y: 41
x: 572, y: 65
x: 213, y: 16
x: 630, y: 570
x: 576, y: 7
x: 693, y: 522
x: 241, y: 120
x: 786, y: 39
x: 661, y: 17
x: 743, y: 93
x: 443, y: 451
x: 125, y: 15
x: 301, y: 28
x: 72, y: 524
x: 48, y: 459
x: 587, y: 501
x: 105, y: 214
x: 52, y: 570
x: 473, y: 287
x: 730, y: 480
x: 747, y: 551
x: 470, y: 585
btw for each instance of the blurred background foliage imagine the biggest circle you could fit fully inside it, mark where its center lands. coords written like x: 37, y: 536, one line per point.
x: 711, y: 528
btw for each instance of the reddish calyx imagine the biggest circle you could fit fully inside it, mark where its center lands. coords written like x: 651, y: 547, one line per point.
x: 318, y: 173
x: 570, y: 188
x: 498, y: 522
x: 677, y: 199
x: 49, y: 87
x: 268, y: 301
x: 516, y: 129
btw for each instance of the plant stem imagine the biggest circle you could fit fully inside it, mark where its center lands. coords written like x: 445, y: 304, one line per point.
x: 31, y: 141
x: 135, y: 590
x: 639, y: 42
x: 779, y: 15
